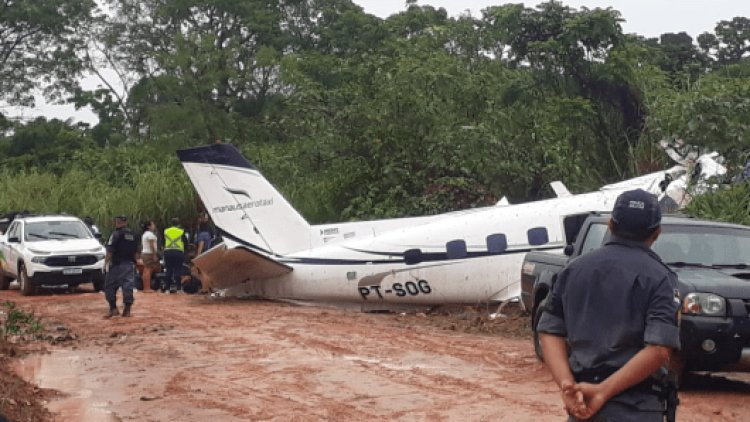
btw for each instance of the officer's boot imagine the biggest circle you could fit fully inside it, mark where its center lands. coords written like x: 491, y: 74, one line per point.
x: 112, y: 312
x: 126, y: 311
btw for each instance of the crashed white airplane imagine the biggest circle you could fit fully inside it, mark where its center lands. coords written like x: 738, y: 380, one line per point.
x: 466, y: 257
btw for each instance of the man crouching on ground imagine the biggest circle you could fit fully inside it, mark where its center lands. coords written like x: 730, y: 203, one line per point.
x: 120, y: 261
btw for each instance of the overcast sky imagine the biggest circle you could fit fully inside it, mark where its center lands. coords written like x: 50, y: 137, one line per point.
x: 645, y: 17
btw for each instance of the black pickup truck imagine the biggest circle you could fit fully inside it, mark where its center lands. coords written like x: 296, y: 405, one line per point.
x: 712, y: 262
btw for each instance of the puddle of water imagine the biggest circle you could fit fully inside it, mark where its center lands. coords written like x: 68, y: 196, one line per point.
x: 62, y: 370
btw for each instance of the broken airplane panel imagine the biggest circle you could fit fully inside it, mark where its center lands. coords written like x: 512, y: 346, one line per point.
x: 470, y: 257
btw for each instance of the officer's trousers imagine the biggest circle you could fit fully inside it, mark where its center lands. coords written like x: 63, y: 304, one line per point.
x: 122, y: 276
x: 619, y: 412
x: 173, y: 259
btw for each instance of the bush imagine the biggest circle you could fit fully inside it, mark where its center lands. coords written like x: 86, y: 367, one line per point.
x: 730, y: 204
x: 19, y: 322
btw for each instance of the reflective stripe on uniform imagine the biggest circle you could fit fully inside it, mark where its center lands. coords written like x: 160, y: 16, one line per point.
x: 173, y: 239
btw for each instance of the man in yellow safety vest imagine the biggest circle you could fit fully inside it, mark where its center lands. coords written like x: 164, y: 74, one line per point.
x: 174, y: 254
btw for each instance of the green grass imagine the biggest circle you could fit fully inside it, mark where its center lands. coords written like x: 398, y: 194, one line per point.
x: 151, y: 192
x: 19, y: 322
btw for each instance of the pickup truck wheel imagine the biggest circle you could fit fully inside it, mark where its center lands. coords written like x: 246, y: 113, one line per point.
x: 4, y: 281
x: 535, y: 333
x: 27, y: 289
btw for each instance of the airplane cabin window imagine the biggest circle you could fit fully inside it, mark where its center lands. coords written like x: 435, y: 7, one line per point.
x: 413, y: 256
x: 497, y: 243
x: 456, y: 249
x: 537, y: 236
x: 594, y: 238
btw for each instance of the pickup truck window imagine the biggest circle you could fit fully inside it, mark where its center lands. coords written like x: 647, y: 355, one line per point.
x: 704, y: 245
x: 594, y: 237
x: 56, y: 230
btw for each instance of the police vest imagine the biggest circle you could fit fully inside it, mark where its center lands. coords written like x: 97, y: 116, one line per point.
x: 173, y: 239
x: 123, y: 246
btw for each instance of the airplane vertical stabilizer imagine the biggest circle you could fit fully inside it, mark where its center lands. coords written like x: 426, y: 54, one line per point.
x: 242, y: 203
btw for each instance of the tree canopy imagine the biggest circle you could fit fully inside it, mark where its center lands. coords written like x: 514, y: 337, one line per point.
x: 354, y: 116
x: 39, y: 41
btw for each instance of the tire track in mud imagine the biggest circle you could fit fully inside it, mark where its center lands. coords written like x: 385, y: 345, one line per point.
x: 292, y: 378
x: 451, y: 388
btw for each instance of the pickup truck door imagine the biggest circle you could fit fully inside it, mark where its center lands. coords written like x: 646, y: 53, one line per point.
x: 3, y: 252
x: 10, y: 249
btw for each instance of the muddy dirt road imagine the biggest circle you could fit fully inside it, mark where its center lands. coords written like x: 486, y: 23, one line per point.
x: 195, y: 358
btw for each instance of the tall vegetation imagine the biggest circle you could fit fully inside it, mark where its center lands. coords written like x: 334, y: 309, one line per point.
x: 356, y: 117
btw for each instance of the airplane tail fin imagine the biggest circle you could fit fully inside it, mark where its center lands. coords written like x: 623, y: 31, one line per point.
x: 242, y: 203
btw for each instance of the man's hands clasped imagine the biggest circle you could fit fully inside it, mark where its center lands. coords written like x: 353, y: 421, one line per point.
x: 583, y: 400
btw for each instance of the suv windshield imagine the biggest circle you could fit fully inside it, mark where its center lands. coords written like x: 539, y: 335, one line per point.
x: 704, y: 245
x: 56, y: 230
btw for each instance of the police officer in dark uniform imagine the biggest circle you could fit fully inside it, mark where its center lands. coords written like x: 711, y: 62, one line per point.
x: 610, y: 323
x: 120, y: 261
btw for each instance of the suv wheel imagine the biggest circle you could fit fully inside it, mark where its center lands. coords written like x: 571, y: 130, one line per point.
x: 27, y: 289
x: 98, y: 284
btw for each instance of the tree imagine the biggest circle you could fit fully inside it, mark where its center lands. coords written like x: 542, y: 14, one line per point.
x: 734, y: 40
x: 210, y: 69
x: 681, y: 59
x: 44, y: 144
x: 713, y: 113
x: 730, y: 42
x: 38, y: 44
x: 579, y: 55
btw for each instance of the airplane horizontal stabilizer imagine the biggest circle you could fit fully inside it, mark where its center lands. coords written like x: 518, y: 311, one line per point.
x: 560, y: 190
x: 221, y: 267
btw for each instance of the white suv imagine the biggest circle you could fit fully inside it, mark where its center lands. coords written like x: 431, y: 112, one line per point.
x: 50, y: 250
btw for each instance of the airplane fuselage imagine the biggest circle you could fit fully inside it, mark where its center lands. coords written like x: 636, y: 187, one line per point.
x: 452, y: 259
x: 472, y: 256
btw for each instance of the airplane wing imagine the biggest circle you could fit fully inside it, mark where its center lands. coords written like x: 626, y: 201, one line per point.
x: 222, y: 267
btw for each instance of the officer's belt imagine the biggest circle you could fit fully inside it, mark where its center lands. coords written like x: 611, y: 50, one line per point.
x: 596, y: 376
x: 120, y: 260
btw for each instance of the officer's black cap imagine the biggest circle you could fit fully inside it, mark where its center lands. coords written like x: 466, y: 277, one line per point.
x: 636, y: 211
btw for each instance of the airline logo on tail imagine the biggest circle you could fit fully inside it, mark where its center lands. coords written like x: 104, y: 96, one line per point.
x: 238, y: 192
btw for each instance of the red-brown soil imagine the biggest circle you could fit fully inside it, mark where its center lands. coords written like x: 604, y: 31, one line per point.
x: 196, y: 358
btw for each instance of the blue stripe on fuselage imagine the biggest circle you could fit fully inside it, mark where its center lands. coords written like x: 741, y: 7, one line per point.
x: 398, y: 256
